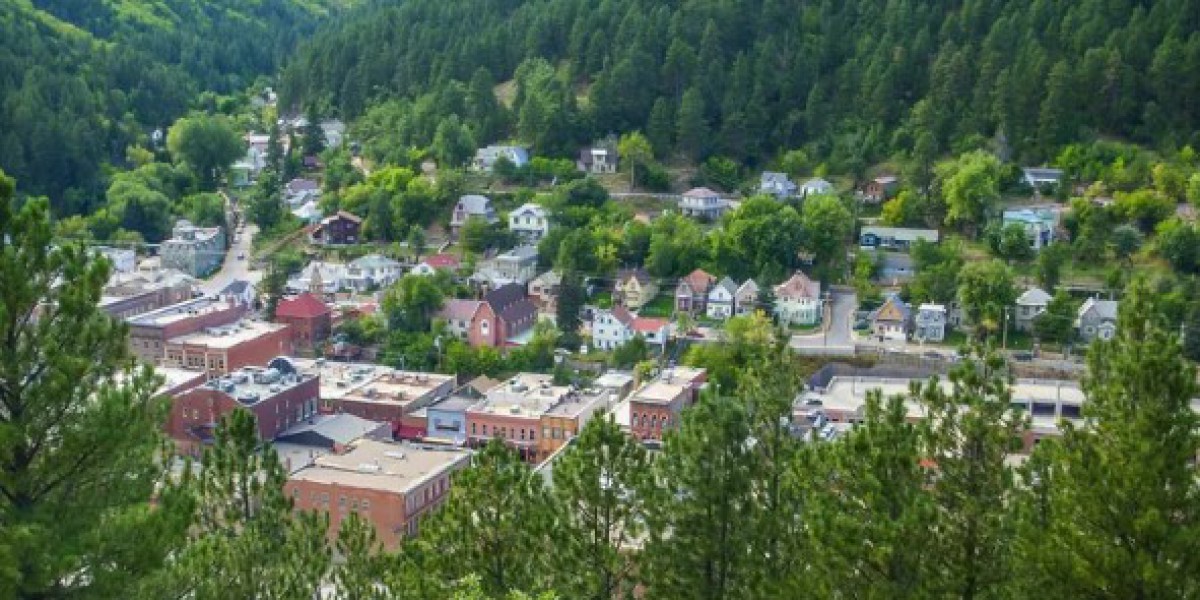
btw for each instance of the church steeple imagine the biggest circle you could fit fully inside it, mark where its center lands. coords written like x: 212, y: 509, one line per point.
x: 316, y: 286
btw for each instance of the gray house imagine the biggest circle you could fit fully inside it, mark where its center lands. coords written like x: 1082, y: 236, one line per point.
x: 1029, y: 305
x: 196, y: 251
x: 1097, y: 319
x: 930, y: 323
x: 776, y: 184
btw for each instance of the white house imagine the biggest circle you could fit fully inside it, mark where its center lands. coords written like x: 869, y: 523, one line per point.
x: 1030, y: 304
x: 1097, y: 319
x: 239, y: 291
x: 373, y: 270
x: 656, y: 332
x: 776, y: 184
x: 472, y: 206
x: 329, y: 277
x: 1040, y: 225
x: 930, y: 323
x: 485, y: 158
x: 815, y: 186
x: 530, y: 222
x: 1039, y: 177
x: 798, y: 301
x: 702, y: 202
x: 123, y: 260
x: 611, y: 327
x: 721, y: 299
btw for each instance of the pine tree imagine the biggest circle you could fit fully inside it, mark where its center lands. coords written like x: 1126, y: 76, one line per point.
x: 495, y: 525
x: 314, y: 135
x: 571, y: 298
x: 78, y: 423
x: 701, y: 528
x: 969, y: 432
x: 660, y: 129
x: 246, y: 541
x: 361, y: 571
x: 1122, y: 491
x: 871, y: 513
x: 604, y: 484
x: 692, y: 128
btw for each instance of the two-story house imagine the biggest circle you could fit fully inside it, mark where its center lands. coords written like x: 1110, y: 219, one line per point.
x: 472, y: 206
x: 777, y: 184
x: 503, y: 314
x: 815, y: 187
x: 486, y: 158
x: 881, y: 188
x: 721, y: 299
x: 543, y: 290
x: 634, y: 289
x: 530, y: 222
x: 703, y: 203
x: 518, y: 265
x: 599, y: 158
x: 1040, y: 225
x: 611, y: 327
x: 691, y: 293
x: 891, y: 320
x: 1097, y: 319
x: 798, y: 301
x: 930, y: 323
x: 338, y: 230
x: 373, y: 271
x: 746, y: 298
x: 1030, y: 304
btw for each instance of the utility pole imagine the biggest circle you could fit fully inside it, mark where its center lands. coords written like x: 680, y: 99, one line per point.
x: 1004, y: 333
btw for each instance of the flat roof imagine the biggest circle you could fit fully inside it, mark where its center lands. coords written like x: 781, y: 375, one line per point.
x: 229, y: 335
x: 454, y: 404
x: 174, y: 377
x: 848, y: 394
x: 523, y: 395
x: 179, y: 312
x: 583, y: 401
x: 613, y: 380
x: 659, y: 392
x: 340, y: 380
x: 382, y: 466
x: 252, y: 385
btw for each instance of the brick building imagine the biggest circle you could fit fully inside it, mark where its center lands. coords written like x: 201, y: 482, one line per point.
x: 503, y: 314
x: 377, y: 393
x: 130, y: 294
x: 657, y: 406
x: 226, y: 349
x: 278, y: 397
x: 310, y: 319
x: 149, y: 332
x: 393, y: 486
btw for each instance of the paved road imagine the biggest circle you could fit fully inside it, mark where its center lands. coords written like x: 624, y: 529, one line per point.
x: 234, y: 267
x: 840, y: 321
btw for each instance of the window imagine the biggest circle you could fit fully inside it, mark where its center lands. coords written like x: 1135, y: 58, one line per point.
x: 522, y: 434
x: 485, y: 429
x: 532, y: 435
x: 342, y: 502
x: 354, y: 504
x: 366, y: 505
x: 546, y: 433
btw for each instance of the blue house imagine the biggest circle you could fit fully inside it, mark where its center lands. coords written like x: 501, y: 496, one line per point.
x: 1040, y: 225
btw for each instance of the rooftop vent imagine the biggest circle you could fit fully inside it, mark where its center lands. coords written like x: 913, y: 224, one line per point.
x: 369, y: 468
x: 396, y: 454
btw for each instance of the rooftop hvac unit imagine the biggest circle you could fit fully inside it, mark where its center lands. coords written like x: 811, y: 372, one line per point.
x: 514, y: 409
x: 369, y: 468
x: 396, y: 454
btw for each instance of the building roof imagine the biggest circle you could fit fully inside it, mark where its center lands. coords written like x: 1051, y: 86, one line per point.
x: 940, y: 308
x: 452, y: 404
x: 341, y: 214
x: 798, y: 286
x: 886, y: 179
x: 1043, y: 173
x: 906, y: 234
x: 510, y: 303
x: 748, y: 287
x: 1031, y: 216
x: 699, y: 281
x: 523, y: 395
x: 1104, y: 309
x: 382, y: 466
x: 442, y: 261
x: 816, y: 184
x: 621, y: 314
x: 648, y: 324
x: 375, y: 261
x: 902, y: 309
x: 250, y: 386
x: 700, y: 192
x: 526, y: 252
x: 301, y: 184
x: 341, y: 379
x: 639, y: 274
x: 729, y: 285
x: 236, y: 287
x: 304, y: 306
x: 1034, y: 297
x: 529, y: 208
x: 189, y: 309
x: 548, y: 279
x: 474, y: 203
x: 459, y: 310
x: 326, y: 430
x: 658, y: 392
x: 773, y: 177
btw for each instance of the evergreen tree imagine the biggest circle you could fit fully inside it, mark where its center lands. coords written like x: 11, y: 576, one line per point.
x: 314, y: 135
x: 1123, y: 516
x: 571, y: 298
x: 701, y: 528
x: 660, y: 130
x: 495, y: 525
x: 79, y: 424
x: 363, y: 566
x: 691, y: 127
x: 246, y: 541
x: 604, y: 483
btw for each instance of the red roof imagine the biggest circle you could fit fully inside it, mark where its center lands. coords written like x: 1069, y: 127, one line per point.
x: 304, y: 306
x: 648, y: 324
x: 442, y: 261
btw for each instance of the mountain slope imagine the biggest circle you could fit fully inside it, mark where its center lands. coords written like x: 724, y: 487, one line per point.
x: 854, y: 80
x: 81, y: 79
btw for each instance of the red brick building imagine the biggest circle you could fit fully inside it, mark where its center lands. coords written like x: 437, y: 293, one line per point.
x: 658, y: 405
x: 502, y: 314
x: 338, y: 230
x: 278, y: 399
x: 377, y: 393
x: 310, y: 319
x: 392, y: 486
x: 226, y: 349
x: 149, y: 332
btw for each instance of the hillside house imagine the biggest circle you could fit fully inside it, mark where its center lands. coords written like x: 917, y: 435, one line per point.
x: 1097, y: 319
x: 338, y: 230
x: 745, y: 301
x: 472, y: 206
x: 881, y: 188
x: 530, y: 222
x: 703, y: 203
x: 691, y: 293
x: 930, y: 323
x: 1040, y: 225
x: 485, y: 158
x: 891, y: 320
x: 599, y: 158
x: 1030, y: 304
x: 721, y: 299
x: 777, y: 185
x: 634, y: 289
x: 815, y: 187
x: 798, y: 301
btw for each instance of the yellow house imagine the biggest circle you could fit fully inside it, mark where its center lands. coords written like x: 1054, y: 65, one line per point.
x: 634, y: 289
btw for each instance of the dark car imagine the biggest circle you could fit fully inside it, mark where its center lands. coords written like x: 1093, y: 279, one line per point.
x: 1022, y: 356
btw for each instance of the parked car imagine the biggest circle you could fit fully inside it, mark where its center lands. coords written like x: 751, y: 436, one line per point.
x: 1022, y: 356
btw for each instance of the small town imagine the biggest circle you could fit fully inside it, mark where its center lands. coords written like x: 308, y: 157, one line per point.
x: 538, y: 300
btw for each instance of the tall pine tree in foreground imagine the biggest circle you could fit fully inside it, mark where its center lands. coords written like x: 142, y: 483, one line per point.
x: 1122, y: 499
x: 246, y: 541
x: 78, y: 423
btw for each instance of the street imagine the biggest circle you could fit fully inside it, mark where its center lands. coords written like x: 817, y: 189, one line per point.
x: 838, y: 334
x: 233, y: 267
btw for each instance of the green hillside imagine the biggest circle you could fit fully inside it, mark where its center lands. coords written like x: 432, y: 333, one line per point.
x: 81, y: 79
x: 852, y: 81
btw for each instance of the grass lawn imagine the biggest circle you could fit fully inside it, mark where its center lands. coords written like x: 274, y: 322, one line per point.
x: 603, y: 299
x: 663, y: 306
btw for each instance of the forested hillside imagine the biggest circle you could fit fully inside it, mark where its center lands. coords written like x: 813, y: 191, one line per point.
x: 854, y: 81
x: 81, y: 79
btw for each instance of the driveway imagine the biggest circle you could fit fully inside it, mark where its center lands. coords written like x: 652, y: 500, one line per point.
x: 839, y: 319
x: 234, y: 268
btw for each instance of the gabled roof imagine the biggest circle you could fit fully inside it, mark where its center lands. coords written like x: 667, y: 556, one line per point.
x: 374, y: 261
x: 648, y: 324
x: 893, y: 304
x: 548, y: 279
x: 474, y: 204
x: 521, y: 253
x: 1033, y: 297
x: 728, y: 285
x: 300, y: 184
x: 700, y: 192
x: 510, y: 303
x: 698, y: 281
x: 304, y: 306
x: 622, y: 315
x: 235, y: 287
x: 748, y: 287
x: 798, y: 286
x: 640, y: 275
x: 530, y: 208
x: 442, y: 261
x: 773, y: 177
x: 341, y: 214
x: 459, y: 310
x: 817, y: 184
x: 1104, y: 309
